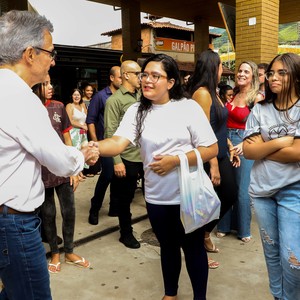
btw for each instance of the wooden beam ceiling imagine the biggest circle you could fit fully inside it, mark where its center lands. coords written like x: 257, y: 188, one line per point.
x: 188, y: 10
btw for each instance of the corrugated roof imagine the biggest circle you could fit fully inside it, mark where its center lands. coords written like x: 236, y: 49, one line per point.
x: 155, y: 24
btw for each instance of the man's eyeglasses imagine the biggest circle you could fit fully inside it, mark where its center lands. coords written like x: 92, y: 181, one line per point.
x: 152, y: 77
x: 280, y: 73
x: 52, y: 53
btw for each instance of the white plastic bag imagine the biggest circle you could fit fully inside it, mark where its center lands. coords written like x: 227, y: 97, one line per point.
x: 199, y: 201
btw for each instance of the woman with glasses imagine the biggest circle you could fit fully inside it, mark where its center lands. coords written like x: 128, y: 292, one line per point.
x: 247, y: 85
x: 272, y: 139
x: 165, y: 124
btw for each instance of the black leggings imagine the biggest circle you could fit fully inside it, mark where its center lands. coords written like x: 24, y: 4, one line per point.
x: 227, y: 190
x: 167, y: 226
x: 65, y: 196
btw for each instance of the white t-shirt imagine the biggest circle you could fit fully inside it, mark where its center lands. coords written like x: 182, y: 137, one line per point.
x: 27, y: 141
x: 268, y: 176
x: 169, y: 129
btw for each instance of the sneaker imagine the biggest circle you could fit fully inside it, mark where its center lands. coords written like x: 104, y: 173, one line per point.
x: 130, y: 241
x: 94, y: 218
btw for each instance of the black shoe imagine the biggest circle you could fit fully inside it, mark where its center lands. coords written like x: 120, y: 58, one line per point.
x: 93, y: 218
x: 113, y: 213
x: 130, y: 241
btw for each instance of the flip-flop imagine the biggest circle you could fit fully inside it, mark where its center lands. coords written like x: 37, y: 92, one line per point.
x: 214, y: 249
x: 78, y: 263
x: 56, y: 267
x: 212, y: 264
x: 246, y: 239
x: 220, y: 234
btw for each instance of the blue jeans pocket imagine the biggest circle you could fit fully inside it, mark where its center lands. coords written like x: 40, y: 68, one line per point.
x: 30, y: 225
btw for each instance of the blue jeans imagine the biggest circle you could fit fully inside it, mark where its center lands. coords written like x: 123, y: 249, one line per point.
x: 279, y: 223
x: 23, y: 264
x: 239, y: 217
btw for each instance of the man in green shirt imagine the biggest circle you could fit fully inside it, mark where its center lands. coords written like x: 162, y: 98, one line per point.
x: 128, y: 166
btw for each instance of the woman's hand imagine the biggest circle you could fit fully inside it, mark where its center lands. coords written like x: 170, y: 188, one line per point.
x: 84, y: 126
x: 256, y: 148
x: 236, y: 161
x: 215, y: 176
x: 74, y: 181
x: 238, y: 149
x: 255, y: 139
x: 163, y: 164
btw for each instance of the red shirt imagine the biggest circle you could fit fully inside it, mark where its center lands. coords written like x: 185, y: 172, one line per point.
x: 61, y: 124
x: 237, y: 117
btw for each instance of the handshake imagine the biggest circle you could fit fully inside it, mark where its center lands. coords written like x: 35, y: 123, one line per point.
x: 90, y: 152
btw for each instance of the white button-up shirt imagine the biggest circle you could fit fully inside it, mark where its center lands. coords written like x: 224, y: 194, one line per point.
x: 27, y: 141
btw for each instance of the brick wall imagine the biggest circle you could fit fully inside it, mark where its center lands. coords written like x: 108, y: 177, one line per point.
x: 258, y: 42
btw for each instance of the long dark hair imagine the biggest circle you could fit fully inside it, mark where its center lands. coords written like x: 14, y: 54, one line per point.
x: 223, y: 88
x: 39, y: 89
x: 291, y: 62
x: 206, y: 75
x: 169, y: 65
x: 80, y: 93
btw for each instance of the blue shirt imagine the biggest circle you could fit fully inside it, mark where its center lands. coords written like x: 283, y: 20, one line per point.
x: 96, y: 111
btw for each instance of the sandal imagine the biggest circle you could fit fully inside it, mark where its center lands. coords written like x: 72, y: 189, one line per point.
x: 81, y: 263
x: 212, y: 264
x: 54, y: 268
x: 246, y: 239
x: 220, y: 234
x: 214, y: 249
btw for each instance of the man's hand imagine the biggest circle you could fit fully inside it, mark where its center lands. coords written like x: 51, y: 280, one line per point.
x: 91, y: 153
x: 120, y: 170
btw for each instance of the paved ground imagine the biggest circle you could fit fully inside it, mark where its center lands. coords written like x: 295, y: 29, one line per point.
x: 121, y: 273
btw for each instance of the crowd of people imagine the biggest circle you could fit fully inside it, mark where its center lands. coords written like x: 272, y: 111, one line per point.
x: 247, y: 136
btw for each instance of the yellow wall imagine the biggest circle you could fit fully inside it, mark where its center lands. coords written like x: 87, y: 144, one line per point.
x: 258, y: 42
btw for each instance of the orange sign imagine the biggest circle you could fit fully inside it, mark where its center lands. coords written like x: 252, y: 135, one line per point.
x: 174, y: 45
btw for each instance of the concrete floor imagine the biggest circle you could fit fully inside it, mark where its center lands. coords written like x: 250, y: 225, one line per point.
x: 117, y: 272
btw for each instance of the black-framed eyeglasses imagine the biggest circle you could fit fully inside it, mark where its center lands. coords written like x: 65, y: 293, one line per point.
x: 53, y: 53
x: 281, y: 73
x: 137, y: 73
x: 153, y: 77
